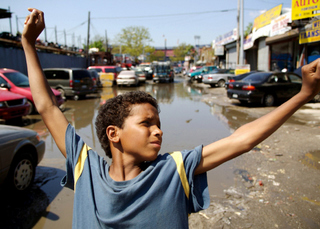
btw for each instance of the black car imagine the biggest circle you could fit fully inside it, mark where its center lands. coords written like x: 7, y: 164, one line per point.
x: 238, y: 77
x: 266, y: 88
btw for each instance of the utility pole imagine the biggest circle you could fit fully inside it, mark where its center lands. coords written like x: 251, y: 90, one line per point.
x: 65, y: 38
x: 238, y: 32
x: 241, y: 35
x: 10, y: 20
x: 88, y: 37
x: 55, y: 32
x: 106, y: 41
x: 17, y: 24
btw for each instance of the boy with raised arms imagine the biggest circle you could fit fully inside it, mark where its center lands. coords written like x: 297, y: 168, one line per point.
x: 141, y: 189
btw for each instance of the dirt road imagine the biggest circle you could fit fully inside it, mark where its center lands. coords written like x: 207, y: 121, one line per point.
x: 277, y: 184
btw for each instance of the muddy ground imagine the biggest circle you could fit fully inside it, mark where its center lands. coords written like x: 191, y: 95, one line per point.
x: 277, y: 184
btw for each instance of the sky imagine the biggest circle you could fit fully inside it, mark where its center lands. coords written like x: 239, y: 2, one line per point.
x: 169, y: 22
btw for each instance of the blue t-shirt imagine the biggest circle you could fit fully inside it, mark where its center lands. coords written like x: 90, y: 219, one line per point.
x: 155, y: 198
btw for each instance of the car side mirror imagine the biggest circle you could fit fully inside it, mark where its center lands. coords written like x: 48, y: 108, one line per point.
x: 5, y: 85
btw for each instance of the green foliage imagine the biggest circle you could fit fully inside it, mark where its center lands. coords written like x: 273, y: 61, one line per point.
x: 156, y: 56
x: 248, y: 29
x: 133, y: 40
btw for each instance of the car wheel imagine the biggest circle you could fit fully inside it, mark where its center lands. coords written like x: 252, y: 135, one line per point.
x: 212, y: 85
x: 221, y: 83
x: 268, y: 100
x: 63, y: 94
x: 22, y: 172
x: 75, y: 97
x: 31, y: 108
x: 316, y: 99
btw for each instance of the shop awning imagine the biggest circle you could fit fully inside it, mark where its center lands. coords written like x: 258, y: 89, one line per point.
x: 286, y: 36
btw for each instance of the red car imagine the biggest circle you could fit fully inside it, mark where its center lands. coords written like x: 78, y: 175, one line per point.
x: 18, y: 83
x: 12, y: 106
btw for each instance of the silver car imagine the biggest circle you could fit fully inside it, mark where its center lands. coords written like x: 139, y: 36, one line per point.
x: 128, y: 78
x: 218, y: 77
x: 20, y: 152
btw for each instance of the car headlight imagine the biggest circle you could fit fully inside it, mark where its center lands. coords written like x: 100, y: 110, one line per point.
x: 2, y: 104
x: 155, y: 74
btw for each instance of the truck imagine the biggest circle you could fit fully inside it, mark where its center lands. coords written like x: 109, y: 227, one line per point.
x: 162, y: 71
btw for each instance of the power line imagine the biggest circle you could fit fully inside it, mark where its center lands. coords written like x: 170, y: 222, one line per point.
x: 167, y: 15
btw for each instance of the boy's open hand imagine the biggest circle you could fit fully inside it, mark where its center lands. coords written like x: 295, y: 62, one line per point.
x: 311, y: 79
x: 34, y: 24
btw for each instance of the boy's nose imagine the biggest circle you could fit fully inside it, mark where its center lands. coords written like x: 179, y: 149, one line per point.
x: 158, y: 131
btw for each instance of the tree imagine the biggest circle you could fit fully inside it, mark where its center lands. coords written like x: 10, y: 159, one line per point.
x: 133, y: 40
x: 181, y: 51
x: 248, y: 29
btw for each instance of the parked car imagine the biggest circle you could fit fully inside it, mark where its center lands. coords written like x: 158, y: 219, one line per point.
x: 218, y: 77
x: 177, y: 70
x: 95, y: 77
x: 18, y: 83
x: 141, y: 75
x: 12, y: 106
x: 21, y: 152
x: 238, y: 77
x: 71, y: 82
x: 197, y: 74
x: 128, y: 78
x: 266, y: 88
x: 147, y: 69
x: 115, y: 70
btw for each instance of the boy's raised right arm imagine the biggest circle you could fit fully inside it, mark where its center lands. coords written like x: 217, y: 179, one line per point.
x: 43, y: 96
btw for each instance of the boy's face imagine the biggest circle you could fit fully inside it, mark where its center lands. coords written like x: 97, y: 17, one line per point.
x: 141, y: 136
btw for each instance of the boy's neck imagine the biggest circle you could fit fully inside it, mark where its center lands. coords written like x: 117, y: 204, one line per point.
x: 122, y: 170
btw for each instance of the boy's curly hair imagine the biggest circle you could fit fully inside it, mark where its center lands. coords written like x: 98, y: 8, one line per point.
x: 115, y: 111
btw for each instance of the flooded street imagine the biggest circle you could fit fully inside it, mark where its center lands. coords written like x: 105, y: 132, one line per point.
x: 187, y: 120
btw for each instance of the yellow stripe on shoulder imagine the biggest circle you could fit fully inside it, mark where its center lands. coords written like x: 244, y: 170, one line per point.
x: 177, y: 156
x: 80, y: 163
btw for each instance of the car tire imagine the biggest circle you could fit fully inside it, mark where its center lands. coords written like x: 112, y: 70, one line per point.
x: 76, y: 97
x: 63, y: 94
x: 21, y: 173
x: 269, y: 100
x: 316, y: 99
x: 31, y: 108
x: 221, y: 83
x: 212, y: 85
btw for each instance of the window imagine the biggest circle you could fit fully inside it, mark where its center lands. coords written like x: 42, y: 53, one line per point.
x: 294, y: 78
x: 60, y: 74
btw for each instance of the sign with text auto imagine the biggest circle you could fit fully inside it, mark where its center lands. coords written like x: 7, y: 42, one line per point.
x: 311, y: 35
x: 305, y: 9
x: 265, y: 18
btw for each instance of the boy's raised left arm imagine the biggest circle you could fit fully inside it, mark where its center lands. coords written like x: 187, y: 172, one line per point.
x: 251, y: 134
x: 43, y: 96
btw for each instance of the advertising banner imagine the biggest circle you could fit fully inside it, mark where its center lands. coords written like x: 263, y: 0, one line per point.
x: 312, y: 35
x: 241, y: 69
x: 265, y: 18
x: 305, y: 9
x: 280, y: 24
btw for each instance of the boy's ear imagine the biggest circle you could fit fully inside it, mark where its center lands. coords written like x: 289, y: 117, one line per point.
x: 113, y: 133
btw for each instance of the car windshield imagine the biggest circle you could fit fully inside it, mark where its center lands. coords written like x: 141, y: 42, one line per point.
x: 214, y: 71
x: 256, y: 77
x: 17, y: 78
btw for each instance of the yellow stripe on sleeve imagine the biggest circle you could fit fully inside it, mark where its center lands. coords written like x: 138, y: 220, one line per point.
x: 80, y: 163
x: 177, y: 156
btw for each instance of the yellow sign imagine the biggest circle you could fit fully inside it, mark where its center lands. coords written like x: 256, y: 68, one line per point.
x: 241, y: 69
x: 309, y: 36
x: 266, y: 18
x: 305, y: 9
